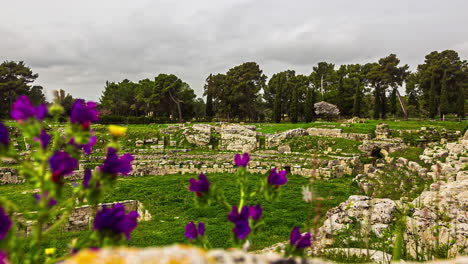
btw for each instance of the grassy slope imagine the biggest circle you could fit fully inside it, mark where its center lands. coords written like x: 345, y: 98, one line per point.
x: 171, y: 205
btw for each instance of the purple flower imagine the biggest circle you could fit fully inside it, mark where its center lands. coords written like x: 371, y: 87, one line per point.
x: 276, y: 178
x: 255, y: 212
x: 4, y: 135
x: 87, y: 178
x: 52, y: 201
x: 191, y: 231
x: 113, y: 164
x: 242, y: 161
x: 298, y: 240
x: 44, y: 138
x: 5, y: 223
x: 115, y: 220
x: 61, y: 164
x: 87, y: 148
x: 3, y: 257
x: 84, y: 113
x: 200, y: 186
x: 23, y: 109
x: 241, y: 221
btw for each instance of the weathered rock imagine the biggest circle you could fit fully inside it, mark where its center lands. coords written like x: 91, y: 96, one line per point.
x: 238, y: 138
x: 382, y: 131
x: 389, y: 145
x: 276, y: 139
x: 378, y: 213
x: 325, y: 132
x: 284, y: 149
x: 198, y: 134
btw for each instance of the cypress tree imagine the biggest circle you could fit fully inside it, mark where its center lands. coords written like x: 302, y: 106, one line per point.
x: 460, y: 105
x: 357, y: 101
x: 209, y: 106
x: 309, y: 105
x: 383, y: 104
x: 432, y: 98
x: 294, y: 106
x: 377, y: 102
x: 444, y: 104
x: 277, y: 104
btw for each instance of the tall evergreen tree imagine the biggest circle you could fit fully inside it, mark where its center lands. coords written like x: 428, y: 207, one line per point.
x: 309, y: 105
x: 294, y: 108
x: 357, y: 101
x: 277, y: 109
x: 433, y: 98
x: 444, y: 104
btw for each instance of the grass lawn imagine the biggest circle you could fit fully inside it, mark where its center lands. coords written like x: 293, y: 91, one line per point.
x: 172, y: 207
x: 365, y: 128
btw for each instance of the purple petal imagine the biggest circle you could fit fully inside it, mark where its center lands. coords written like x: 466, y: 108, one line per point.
x: 44, y: 138
x: 201, y: 229
x: 88, y: 147
x: 234, y: 214
x: 87, y: 178
x: 242, y: 229
x: 202, y: 185
x: 61, y: 164
x: 5, y: 223
x: 255, y: 212
x: 304, y: 241
x: 295, y: 236
x: 114, y: 165
x: 4, y: 135
x: 41, y: 111
x: 191, y: 231
x: 22, y: 109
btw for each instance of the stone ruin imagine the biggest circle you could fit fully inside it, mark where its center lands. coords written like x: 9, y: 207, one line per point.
x: 81, y: 217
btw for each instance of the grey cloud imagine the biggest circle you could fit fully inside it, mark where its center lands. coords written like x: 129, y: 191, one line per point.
x: 78, y: 46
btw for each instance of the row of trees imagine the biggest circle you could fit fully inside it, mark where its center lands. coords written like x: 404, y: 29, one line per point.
x: 438, y: 87
x: 364, y: 90
x: 165, y: 96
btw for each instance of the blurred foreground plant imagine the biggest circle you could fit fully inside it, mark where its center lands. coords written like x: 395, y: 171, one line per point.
x: 246, y: 219
x: 54, y: 155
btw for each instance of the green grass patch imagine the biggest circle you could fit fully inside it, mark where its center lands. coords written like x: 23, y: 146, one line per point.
x: 316, y: 144
x: 172, y: 207
x: 410, y: 153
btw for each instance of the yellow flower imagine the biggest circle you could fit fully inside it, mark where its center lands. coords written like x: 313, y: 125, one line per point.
x: 117, y: 131
x: 50, y: 251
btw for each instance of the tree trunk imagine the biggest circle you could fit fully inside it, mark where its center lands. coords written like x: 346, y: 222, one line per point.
x: 178, y: 106
x: 402, y: 103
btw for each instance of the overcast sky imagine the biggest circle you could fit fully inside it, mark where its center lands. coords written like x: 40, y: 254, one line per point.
x: 78, y: 45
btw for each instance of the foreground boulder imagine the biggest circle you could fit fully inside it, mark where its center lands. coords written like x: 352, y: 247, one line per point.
x: 192, y: 255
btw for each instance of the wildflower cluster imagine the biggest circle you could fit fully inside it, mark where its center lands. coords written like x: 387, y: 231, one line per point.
x: 55, y: 156
x: 246, y: 219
